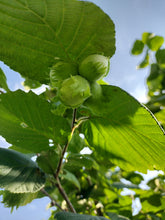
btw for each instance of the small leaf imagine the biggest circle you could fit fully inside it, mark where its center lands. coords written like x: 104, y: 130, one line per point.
x: 137, y: 47
x: 160, y: 57
x: 155, y: 43
x: 154, y: 72
x: 18, y: 173
x: 3, y: 83
x: 144, y: 63
x: 146, y: 37
x: 72, y: 216
x: 71, y: 177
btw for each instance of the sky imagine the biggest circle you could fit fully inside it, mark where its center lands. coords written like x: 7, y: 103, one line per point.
x: 131, y: 18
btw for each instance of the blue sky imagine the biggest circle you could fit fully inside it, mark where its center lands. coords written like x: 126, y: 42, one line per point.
x: 131, y: 18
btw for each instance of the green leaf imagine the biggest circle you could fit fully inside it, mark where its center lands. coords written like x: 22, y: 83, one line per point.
x: 146, y: 37
x: 137, y: 47
x: 135, y: 178
x: 71, y: 177
x: 152, y: 202
x: 18, y: 173
x: 160, y: 57
x: 124, y: 132
x: 72, y: 216
x: 155, y: 43
x: 48, y: 161
x: 115, y: 216
x: 34, y: 33
x: 154, y: 72
x: 161, y: 117
x: 16, y: 200
x: 77, y: 143
x: 27, y: 122
x: 3, y: 80
x: 145, y: 62
x: 31, y: 84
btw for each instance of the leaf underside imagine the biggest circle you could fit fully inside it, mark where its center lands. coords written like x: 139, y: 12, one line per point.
x: 124, y: 131
x: 18, y: 173
x: 72, y: 216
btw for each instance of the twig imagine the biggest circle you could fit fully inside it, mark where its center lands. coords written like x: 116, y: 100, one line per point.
x: 74, y: 118
x: 58, y: 184
x: 63, y: 193
x: 53, y: 202
x: 1, y: 92
x: 66, y: 146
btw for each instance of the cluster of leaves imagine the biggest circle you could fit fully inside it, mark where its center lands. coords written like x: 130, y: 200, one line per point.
x: 152, y: 46
x: 115, y: 131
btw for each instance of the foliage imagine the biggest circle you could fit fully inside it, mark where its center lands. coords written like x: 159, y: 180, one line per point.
x: 78, y: 147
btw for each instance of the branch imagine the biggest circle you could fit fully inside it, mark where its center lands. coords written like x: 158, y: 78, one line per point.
x: 63, y: 193
x: 66, y: 146
x: 58, y: 184
x: 53, y: 202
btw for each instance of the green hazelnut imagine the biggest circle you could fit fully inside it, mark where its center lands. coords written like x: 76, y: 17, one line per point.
x: 74, y: 91
x: 94, y: 67
x: 62, y: 70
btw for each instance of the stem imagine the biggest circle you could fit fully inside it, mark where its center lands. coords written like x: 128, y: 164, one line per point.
x: 63, y: 193
x: 53, y: 202
x: 74, y: 118
x: 66, y: 146
x: 56, y: 175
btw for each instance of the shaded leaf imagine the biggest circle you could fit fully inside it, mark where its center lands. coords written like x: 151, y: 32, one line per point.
x: 36, y: 33
x: 137, y: 47
x: 3, y: 83
x: 115, y: 216
x: 31, y: 84
x: 72, y: 216
x: 18, y: 173
x: 27, y: 122
x: 71, y: 177
x: 160, y: 57
x: 154, y: 72
x: 48, y: 161
x: 124, y: 131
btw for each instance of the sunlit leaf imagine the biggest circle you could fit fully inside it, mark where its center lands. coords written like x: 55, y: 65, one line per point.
x: 27, y: 122
x: 3, y: 83
x: 155, y: 43
x: 146, y: 37
x: 35, y: 33
x: 124, y: 131
x: 18, y: 173
x: 145, y: 62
